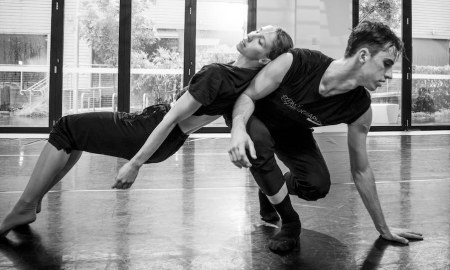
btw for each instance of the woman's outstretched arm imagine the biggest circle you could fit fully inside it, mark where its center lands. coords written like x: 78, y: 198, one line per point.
x: 185, y: 106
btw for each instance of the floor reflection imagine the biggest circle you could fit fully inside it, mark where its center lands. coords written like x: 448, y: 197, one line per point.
x: 197, y: 211
x: 27, y: 251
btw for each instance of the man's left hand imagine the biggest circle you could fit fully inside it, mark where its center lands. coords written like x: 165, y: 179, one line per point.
x: 401, y: 235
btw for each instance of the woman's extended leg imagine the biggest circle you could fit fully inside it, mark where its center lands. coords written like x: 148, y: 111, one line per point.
x: 50, y: 164
x: 73, y: 159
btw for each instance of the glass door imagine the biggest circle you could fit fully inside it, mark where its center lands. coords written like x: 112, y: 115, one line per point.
x: 430, y: 102
x: 24, y: 63
x: 386, y: 100
x: 157, y: 50
x: 221, y: 24
x: 91, y: 43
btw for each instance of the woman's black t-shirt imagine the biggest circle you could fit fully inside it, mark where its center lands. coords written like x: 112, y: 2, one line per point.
x: 297, y: 100
x: 217, y: 86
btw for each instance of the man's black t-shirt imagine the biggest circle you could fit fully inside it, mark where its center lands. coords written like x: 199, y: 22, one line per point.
x: 217, y: 86
x: 297, y: 100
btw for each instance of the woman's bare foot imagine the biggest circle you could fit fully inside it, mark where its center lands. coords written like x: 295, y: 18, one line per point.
x: 23, y: 213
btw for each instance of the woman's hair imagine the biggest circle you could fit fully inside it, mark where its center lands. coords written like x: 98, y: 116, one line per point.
x: 375, y: 36
x: 281, y: 44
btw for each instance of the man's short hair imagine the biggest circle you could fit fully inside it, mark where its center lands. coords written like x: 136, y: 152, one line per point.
x: 281, y: 44
x: 375, y: 36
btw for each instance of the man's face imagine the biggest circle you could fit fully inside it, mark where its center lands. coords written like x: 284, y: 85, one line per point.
x: 257, y: 44
x: 378, y: 68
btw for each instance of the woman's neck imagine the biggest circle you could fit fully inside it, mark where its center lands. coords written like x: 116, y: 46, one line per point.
x: 244, y: 62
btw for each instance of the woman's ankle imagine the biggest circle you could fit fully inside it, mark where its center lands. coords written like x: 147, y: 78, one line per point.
x: 23, y: 205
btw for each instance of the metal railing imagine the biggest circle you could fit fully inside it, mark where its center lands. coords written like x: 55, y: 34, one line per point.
x: 40, y: 87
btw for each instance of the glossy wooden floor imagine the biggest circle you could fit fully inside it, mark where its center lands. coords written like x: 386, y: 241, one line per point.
x: 197, y: 211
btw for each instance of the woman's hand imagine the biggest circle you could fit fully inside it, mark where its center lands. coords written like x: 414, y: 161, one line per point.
x: 126, y: 176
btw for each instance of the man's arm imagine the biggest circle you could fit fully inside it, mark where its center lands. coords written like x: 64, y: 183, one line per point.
x: 185, y: 106
x: 365, y: 180
x: 265, y: 82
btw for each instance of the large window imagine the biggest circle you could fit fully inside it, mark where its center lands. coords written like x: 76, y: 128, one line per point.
x: 24, y: 63
x: 162, y: 58
x: 431, y: 59
x: 221, y: 24
x: 316, y: 24
x: 157, y: 47
x: 91, y: 42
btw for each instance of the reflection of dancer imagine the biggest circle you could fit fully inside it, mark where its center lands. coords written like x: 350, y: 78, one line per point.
x: 313, y: 90
x: 151, y: 136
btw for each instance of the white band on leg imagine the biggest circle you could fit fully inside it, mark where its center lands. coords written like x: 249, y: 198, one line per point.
x: 279, y: 196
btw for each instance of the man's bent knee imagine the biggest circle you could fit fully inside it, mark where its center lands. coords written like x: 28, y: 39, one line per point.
x: 311, y: 193
x: 309, y: 190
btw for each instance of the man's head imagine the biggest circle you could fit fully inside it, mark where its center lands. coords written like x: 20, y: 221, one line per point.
x: 375, y: 36
x: 376, y: 48
x: 265, y: 44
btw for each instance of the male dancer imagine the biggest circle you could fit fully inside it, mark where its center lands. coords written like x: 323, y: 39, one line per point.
x: 302, y: 89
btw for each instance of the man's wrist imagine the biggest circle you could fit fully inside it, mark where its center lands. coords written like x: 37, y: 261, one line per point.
x: 383, y: 229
